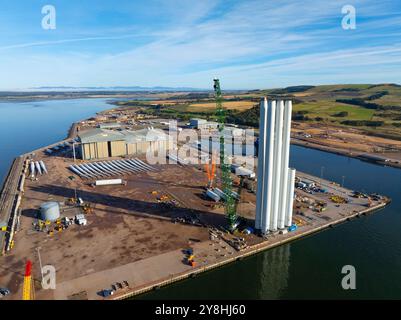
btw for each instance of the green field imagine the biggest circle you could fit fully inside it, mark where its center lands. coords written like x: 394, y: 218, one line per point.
x: 374, y: 108
x: 328, y: 110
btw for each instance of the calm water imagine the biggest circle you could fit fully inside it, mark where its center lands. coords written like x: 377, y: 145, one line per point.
x: 307, y: 268
x: 29, y: 125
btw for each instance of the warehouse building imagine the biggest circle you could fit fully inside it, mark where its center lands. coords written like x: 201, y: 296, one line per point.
x: 109, y: 125
x: 102, y: 143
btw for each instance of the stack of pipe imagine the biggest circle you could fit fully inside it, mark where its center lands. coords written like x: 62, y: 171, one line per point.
x: 276, y: 180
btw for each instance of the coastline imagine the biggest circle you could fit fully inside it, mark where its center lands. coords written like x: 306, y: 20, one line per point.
x: 346, y: 153
x: 253, y: 249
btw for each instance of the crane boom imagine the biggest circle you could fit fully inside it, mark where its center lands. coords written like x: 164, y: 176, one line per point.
x: 230, y: 206
x: 28, y: 289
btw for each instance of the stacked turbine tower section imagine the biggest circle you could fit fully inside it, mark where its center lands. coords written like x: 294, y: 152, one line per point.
x: 275, y: 189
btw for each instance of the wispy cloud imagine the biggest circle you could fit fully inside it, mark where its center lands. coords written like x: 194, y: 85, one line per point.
x: 252, y: 43
x: 65, y: 41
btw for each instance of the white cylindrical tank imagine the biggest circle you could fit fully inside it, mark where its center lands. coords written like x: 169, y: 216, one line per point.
x: 290, y: 197
x: 261, y: 160
x: 220, y: 193
x: 212, y: 195
x: 50, y: 211
x: 32, y: 165
x: 42, y: 164
x: 278, y: 145
x: 38, y: 168
x: 285, y: 163
x: 108, y: 182
x: 268, y: 166
x: 22, y: 182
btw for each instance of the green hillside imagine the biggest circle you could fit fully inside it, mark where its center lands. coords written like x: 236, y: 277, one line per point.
x: 374, y: 108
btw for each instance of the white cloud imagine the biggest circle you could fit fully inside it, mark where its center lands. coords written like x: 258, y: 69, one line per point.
x: 254, y: 43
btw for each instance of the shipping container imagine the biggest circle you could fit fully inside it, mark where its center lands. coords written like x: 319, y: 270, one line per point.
x: 108, y: 182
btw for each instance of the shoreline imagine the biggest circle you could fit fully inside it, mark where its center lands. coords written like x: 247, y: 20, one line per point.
x: 253, y: 250
x: 15, y: 197
x: 345, y: 153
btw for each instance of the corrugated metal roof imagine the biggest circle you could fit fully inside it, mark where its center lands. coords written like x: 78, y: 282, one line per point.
x: 100, y: 135
x: 107, y: 125
x: 104, y: 135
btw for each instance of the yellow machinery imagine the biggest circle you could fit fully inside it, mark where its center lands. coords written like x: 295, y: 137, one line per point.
x: 163, y: 198
x: 87, y: 209
x: 300, y: 222
x: 337, y: 199
x: 71, y: 201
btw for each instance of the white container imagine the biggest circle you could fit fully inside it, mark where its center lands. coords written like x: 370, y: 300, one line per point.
x: 220, y: 193
x: 212, y: 195
x: 241, y: 171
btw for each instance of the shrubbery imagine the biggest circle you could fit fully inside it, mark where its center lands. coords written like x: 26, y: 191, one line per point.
x: 360, y: 123
x: 341, y: 114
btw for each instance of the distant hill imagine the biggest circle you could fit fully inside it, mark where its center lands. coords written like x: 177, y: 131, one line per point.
x: 366, y: 106
x: 116, y: 88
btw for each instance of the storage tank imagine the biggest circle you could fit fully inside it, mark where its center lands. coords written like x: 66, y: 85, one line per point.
x: 212, y: 195
x: 50, y: 211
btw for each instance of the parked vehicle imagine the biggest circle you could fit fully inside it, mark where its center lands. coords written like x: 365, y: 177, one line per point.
x: 107, y: 293
x: 4, y: 292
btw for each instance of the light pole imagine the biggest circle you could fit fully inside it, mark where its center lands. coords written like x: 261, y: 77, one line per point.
x: 40, y: 262
x: 73, y: 150
x: 321, y: 174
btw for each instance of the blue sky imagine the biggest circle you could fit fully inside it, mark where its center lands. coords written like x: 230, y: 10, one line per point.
x: 248, y: 44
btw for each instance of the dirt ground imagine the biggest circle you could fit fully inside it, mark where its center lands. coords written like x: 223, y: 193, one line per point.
x: 347, y: 139
x: 127, y: 224
x: 128, y: 227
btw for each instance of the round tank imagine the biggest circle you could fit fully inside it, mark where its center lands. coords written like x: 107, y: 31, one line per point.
x: 50, y: 211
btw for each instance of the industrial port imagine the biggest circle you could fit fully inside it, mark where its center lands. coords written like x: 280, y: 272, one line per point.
x: 114, y: 225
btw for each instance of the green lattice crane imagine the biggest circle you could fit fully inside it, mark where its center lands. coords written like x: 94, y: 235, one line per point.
x: 230, y: 203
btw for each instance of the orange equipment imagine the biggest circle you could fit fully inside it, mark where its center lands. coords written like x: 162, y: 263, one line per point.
x: 210, y: 171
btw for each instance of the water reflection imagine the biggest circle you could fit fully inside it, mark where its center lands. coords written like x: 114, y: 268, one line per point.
x: 273, y: 267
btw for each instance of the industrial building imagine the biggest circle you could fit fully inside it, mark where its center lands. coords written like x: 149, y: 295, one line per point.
x: 102, y: 143
x: 109, y: 125
x: 202, y: 124
x: 275, y: 189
